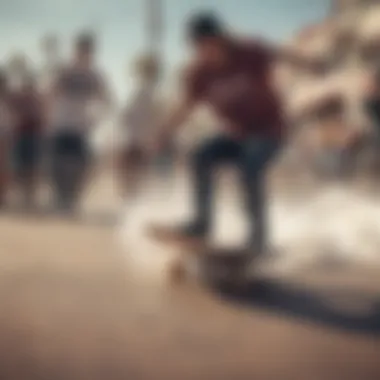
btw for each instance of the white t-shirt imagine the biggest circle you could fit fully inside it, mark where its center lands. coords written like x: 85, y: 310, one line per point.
x: 76, y: 94
x: 140, y: 116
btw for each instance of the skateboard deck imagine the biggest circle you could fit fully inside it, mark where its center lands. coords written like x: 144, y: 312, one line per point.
x: 214, y: 264
x: 170, y: 236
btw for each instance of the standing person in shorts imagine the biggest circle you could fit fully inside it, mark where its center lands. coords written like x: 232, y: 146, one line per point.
x: 79, y: 90
x: 137, y: 120
x: 234, y: 77
x: 5, y: 125
x: 27, y: 138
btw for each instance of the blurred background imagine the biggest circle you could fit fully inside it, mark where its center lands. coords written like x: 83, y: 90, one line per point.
x: 72, y: 215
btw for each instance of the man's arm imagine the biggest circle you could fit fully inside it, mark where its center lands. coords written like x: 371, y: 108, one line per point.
x: 192, y: 94
x: 52, y: 93
x: 104, y: 94
x: 177, y: 117
x: 296, y: 59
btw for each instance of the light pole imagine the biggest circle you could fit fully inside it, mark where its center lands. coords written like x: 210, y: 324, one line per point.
x: 50, y: 50
x: 154, y: 27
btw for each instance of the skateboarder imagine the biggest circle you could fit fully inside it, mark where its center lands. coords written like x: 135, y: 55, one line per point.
x: 233, y: 77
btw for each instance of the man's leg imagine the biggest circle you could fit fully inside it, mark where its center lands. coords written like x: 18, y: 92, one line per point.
x: 80, y: 172
x: 205, y: 160
x: 166, y: 163
x: 32, y: 168
x: 3, y: 168
x: 255, y: 158
x: 60, y: 155
x: 21, y: 164
x: 55, y: 160
x: 132, y: 171
x: 73, y: 165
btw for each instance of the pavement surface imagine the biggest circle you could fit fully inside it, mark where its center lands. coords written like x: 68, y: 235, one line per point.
x: 70, y: 310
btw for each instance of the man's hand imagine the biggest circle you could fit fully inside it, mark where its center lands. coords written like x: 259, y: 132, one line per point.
x: 317, y: 65
x: 163, y: 138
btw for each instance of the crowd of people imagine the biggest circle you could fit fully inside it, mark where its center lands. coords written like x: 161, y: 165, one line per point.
x: 51, y: 126
x: 46, y: 132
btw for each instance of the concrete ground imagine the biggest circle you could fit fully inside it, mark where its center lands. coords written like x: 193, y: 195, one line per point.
x: 71, y: 311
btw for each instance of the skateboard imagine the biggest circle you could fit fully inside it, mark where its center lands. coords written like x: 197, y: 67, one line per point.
x: 214, y: 265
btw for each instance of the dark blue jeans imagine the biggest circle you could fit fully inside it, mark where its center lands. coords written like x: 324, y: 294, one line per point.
x: 70, y: 156
x: 252, y: 157
x: 27, y: 151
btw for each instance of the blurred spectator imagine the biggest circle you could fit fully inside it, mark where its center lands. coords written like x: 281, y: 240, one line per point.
x: 372, y: 102
x: 5, y: 123
x: 372, y: 107
x: 137, y: 120
x: 17, y: 70
x: 78, y: 100
x: 28, y: 121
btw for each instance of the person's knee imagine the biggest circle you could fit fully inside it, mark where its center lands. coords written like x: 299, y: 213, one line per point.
x: 256, y: 164
x: 253, y: 172
x: 202, y: 158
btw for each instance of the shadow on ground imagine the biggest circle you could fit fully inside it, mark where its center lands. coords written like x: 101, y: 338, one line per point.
x: 342, y: 309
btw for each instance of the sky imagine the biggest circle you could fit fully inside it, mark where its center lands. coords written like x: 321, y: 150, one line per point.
x: 121, y: 25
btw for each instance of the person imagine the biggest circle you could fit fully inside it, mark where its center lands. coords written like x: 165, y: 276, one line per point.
x: 371, y: 105
x: 5, y: 124
x: 27, y: 137
x: 372, y: 102
x: 78, y: 91
x: 232, y: 75
x: 137, y: 120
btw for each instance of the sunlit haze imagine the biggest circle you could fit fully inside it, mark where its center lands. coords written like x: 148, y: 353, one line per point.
x: 120, y: 24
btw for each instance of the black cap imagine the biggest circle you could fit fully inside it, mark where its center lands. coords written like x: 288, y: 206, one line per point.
x: 86, y: 41
x: 203, y: 25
